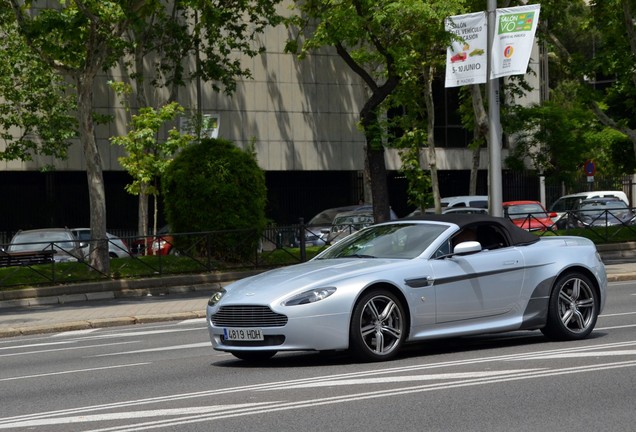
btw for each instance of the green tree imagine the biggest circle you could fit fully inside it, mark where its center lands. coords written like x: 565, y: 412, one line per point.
x: 214, y: 186
x: 592, y: 45
x: 79, y: 39
x: 614, y: 60
x: 147, y: 155
x: 381, y: 42
x: 35, y: 103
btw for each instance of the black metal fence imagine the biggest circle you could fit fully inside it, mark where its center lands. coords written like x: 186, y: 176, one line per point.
x: 178, y: 253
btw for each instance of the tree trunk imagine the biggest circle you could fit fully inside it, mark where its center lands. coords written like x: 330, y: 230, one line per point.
x: 474, y: 170
x: 480, y: 130
x: 99, y: 249
x: 377, y: 164
x: 379, y: 187
x: 142, y: 223
x: 430, y: 119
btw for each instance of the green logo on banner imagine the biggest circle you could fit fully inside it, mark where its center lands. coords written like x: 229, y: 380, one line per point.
x: 514, y: 23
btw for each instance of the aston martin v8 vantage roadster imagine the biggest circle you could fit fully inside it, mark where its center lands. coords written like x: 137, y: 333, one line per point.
x: 412, y: 280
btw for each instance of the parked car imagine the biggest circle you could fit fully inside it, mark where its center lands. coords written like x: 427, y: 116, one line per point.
x: 117, y: 248
x: 347, y: 223
x: 479, y: 201
x: 529, y: 215
x: 465, y: 210
x: 572, y: 202
x: 603, y: 212
x: 161, y: 244
x: 65, y: 246
x: 445, y: 210
x: 318, y: 227
x: 400, y: 282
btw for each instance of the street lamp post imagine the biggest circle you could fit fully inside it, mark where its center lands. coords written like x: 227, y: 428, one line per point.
x: 494, y: 129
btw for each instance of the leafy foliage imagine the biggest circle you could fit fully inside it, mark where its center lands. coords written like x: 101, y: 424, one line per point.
x: 147, y: 156
x: 36, y: 103
x: 215, y: 186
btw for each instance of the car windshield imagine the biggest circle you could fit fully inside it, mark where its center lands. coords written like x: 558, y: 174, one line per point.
x: 40, y: 240
x: 405, y: 241
x: 521, y: 211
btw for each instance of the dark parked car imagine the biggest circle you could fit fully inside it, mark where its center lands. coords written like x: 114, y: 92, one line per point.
x: 603, y: 212
x: 318, y: 227
x: 65, y: 246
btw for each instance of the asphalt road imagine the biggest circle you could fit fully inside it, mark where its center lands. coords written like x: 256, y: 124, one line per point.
x: 165, y: 376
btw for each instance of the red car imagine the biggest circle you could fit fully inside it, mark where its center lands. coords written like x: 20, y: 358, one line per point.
x: 529, y: 215
x: 162, y: 244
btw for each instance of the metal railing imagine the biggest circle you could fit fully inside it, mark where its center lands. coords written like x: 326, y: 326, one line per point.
x: 178, y: 253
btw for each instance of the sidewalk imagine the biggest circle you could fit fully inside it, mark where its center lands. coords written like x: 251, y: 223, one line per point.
x: 146, y: 305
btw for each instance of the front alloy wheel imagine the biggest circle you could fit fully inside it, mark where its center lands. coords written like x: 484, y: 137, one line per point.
x: 377, y: 326
x: 573, y: 308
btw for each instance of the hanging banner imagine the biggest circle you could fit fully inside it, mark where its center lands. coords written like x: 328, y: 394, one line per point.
x: 466, y: 60
x: 514, y: 38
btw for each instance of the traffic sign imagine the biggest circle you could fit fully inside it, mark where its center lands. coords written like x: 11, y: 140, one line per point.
x: 589, y: 167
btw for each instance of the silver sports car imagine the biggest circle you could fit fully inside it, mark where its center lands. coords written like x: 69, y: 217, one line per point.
x: 412, y: 280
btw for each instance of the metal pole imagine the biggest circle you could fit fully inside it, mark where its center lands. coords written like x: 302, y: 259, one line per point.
x: 494, y: 129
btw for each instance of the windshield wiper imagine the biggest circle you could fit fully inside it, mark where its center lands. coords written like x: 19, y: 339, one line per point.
x: 357, y: 256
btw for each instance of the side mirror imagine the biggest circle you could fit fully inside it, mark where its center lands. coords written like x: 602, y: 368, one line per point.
x: 467, y: 247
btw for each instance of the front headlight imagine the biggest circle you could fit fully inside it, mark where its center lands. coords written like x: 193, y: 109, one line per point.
x: 309, y: 296
x: 216, y: 297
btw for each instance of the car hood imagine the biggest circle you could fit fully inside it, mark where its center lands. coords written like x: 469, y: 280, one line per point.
x: 273, y: 284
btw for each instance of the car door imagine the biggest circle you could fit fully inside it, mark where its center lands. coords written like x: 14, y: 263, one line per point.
x: 482, y: 284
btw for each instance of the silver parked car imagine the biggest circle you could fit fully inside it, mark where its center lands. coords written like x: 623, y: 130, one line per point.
x: 61, y: 241
x: 318, y: 228
x: 117, y: 248
x: 411, y: 280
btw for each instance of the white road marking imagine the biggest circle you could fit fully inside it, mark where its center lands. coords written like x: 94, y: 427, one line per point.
x: 75, y: 332
x: 617, y: 314
x: 194, y: 321
x: 18, y: 421
x: 136, y: 415
x: 166, y: 348
x: 615, y: 327
x: 285, y: 406
x: 68, y: 348
x: 73, y: 371
x: 404, y: 378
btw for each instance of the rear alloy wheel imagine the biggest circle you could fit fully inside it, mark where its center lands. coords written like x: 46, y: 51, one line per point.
x: 573, y: 308
x: 254, y: 356
x: 377, y: 326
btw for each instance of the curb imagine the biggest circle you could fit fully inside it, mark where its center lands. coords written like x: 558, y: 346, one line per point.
x: 111, y: 289
x: 97, y: 323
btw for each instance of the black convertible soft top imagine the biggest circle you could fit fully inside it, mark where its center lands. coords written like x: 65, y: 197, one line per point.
x: 516, y: 236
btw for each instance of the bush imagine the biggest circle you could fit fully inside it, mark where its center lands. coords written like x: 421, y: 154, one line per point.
x: 215, y: 186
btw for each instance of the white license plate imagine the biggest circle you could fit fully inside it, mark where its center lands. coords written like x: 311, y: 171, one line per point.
x: 243, y: 334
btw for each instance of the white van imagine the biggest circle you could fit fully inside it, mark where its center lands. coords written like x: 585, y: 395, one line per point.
x: 571, y: 202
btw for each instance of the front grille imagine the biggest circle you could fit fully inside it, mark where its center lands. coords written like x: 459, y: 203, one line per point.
x: 247, y: 316
x: 274, y: 340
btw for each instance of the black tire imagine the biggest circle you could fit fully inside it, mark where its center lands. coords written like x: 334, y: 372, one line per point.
x: 573, y: 308
x: 378, y: 326
x: 254, y: 356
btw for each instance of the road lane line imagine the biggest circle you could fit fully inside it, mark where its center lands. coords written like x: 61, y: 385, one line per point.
x: 73, y: 371
x: 283, y: 384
